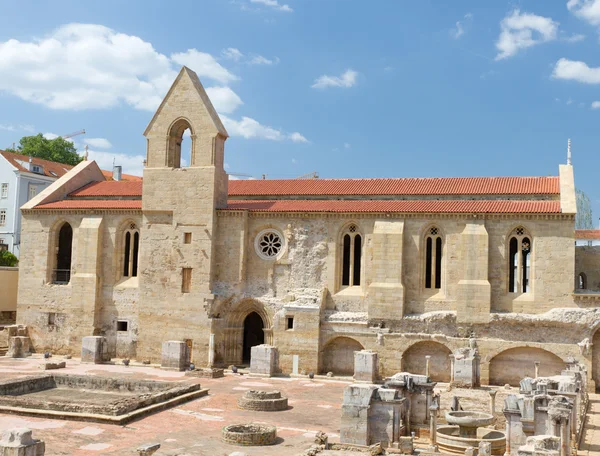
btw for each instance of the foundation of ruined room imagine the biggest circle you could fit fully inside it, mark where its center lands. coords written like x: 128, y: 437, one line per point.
x: 87, y: 398
x: 249, y: 434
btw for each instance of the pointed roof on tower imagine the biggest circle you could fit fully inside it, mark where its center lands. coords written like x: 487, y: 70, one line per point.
x: 193, y: 77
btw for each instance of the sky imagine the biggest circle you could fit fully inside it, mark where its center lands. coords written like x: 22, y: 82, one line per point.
x: 346, y: 88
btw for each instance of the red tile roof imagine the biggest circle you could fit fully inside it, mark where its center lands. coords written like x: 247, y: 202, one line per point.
x: 407, y: 186
x: 50, y: 167
x: 407, y: 206
x: 110, y: 188
x: 92, y: 204
x: 587, y: 234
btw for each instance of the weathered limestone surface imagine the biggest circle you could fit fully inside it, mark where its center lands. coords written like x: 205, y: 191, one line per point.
x: 366, y: 366
x: 18, y: 442
x: 175, y: 355
x: 18, y: 347
x: 94, y: 350
x: 264, y: 359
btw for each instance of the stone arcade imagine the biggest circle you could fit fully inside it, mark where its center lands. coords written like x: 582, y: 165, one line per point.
x: 319, y: 268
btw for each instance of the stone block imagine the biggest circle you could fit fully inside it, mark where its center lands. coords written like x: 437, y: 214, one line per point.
x: 175, y: 355
x: 540, y: 445
x: 18, y: 347
x: 467, y: 368
x: 366, y: 366
x: 405, y: 445
x: 94, y: 350
x: 264, y: 359
x: 148, y: 449
x: 19, y: 442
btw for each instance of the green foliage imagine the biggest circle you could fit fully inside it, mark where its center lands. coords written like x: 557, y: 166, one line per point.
x: 583, y: 219
x: 7, y: 258
x: 57, y: 150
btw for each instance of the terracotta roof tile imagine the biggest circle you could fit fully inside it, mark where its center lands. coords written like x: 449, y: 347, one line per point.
x: 124, y: 177
x: 109, y: 188
x: 407, y: 206
x: 92, y: 204
x: 587, y: 234
x: 407, y: 186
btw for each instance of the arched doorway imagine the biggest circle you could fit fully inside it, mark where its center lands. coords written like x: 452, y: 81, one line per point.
x: 62, y: 273
x: 514, y: 364
x: 414, y: 361
x: 338, y: 356
x: 253, y: 334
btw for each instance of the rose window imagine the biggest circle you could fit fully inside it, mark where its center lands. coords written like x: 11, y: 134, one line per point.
x: 269, y: 244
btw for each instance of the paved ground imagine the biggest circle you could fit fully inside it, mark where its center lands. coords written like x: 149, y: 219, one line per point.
x: 194, y: 428
x: 590, y: 443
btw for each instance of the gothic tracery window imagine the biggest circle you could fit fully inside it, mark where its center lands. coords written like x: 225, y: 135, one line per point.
x: 519, y: 261
x: 351, y: 256
x: 131, y: 250
x: 433, y: 258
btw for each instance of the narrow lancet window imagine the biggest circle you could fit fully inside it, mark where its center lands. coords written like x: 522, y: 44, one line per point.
x: 131, y: 251
x: 519, y: 261
x: 433, y: 258
x: 351, y: 257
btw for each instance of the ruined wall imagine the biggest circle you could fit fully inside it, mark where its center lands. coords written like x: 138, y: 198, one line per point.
x: 587, y: 261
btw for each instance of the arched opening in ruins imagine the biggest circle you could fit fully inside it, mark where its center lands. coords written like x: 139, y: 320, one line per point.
x: 180, y: 151
x: 338, y: 356
x: 414, y: 361
x: 62, y: 273
x: 512, y: 365
x: 253, y: 334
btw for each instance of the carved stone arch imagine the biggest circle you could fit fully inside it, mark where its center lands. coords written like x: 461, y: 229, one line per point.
x: 414, y: 361
x: 337, y: 355
x: 173, y: 142
x: 350, y: 246
x: 511, y: 365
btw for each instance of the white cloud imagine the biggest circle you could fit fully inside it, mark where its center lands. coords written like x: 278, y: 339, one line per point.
x: 588, y: 10
x: 596, y: 105
x: 50, y: 135
x: 569, y: 101
x: 347, y: 146
x: 572, y: 70
x: 459, y: 28
x: 346, y: 80
x: 232, y: 54
x: 132, y: 164
x: 10, y: 127
x: 260, y: 60
x: 204, y: 65
x: 298, y: 138
x: 575, y: 38
x: 100, y: 143
x: 274, y: 4
x: 523, y: 30
x: 224, y: 99
x: 87, y: 66
x: 294, y: 161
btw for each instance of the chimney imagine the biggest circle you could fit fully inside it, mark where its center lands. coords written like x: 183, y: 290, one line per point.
x: 117, y: 171
x: 30, y: 164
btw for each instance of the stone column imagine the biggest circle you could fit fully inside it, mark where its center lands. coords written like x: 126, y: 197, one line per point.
x: 537, y: 369
x: 211, y: 350
x: 427, y: 359
x: 492, y: 401
x: 452, y: 359
x: 433, y: 428
x: 563, y: 437
x: 508, y: 436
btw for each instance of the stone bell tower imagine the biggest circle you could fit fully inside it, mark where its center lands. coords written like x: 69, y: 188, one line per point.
x: 179, y: 209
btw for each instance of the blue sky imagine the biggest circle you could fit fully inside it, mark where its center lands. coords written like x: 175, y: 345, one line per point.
x: 345, y: 88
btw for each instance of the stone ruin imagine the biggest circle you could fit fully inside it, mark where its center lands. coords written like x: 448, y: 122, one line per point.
x: 94, y: 350
x: 19, y: 345
x: 250, y: 434
x: 263, y: 401
x: 19, y: 442
x: 264, y: 360
x: 547, y: 408
x: 206, y: 372
x: 466, y: 366
x: 175, y: 355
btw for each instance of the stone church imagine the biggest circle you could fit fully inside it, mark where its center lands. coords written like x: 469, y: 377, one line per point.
x: 317, y: 267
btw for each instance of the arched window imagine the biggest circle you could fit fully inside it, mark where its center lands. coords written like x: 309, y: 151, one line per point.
x: 433, y: 258
x: 519, y: 261
x: 351, y: 256
x: 177, y: 144
x: 130, y: 252
x: 582, y: 281
x: 62, y: 273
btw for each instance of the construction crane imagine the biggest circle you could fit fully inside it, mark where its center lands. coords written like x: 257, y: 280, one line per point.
x: 77, y: 133
x: 240, y: 174
x: 313, y: 175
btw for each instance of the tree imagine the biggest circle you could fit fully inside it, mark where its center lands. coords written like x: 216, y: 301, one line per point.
x: 583, y: 219
x: 8, y: 259
x: 57, y: 150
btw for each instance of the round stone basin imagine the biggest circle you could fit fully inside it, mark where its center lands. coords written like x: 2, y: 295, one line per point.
x: 469, y: 421
x: 249, y: 434
x: 449, y: 440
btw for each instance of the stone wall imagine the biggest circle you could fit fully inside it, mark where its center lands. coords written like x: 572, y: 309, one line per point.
x: 9, y: 278
x: 587, y: 261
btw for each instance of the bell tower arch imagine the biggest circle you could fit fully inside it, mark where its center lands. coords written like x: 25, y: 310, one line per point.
x: 180, y: 202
